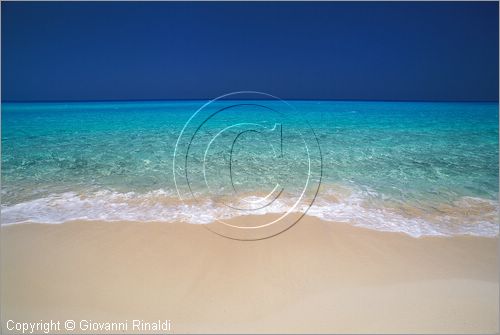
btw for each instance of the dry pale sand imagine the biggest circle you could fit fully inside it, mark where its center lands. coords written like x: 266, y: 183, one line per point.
x: 317, y: 277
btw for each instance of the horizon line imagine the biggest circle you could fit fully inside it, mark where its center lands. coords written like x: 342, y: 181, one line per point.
x: 209, y: 99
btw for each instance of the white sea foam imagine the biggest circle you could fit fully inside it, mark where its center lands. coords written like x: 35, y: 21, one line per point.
x: 467, y: 216
x: 354, y: 212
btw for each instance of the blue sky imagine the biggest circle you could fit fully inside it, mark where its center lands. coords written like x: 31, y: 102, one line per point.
x: 294, y: 50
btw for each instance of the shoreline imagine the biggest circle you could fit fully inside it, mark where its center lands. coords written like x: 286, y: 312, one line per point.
x: 319, y: 277
x: 407, y: 220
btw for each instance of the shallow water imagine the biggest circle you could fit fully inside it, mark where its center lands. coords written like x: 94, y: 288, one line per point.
x: 418, y: 168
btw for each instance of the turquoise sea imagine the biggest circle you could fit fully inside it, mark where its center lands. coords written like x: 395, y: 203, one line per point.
x: 421, y: 168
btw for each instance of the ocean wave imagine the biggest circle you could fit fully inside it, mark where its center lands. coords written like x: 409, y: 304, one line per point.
x: 465, y: 216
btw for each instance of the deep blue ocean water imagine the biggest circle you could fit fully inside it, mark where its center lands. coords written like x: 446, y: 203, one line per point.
x: 416, y: 167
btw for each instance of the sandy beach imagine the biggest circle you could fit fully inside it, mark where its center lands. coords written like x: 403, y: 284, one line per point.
x: 249, y: 167
x: 317, y: 277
